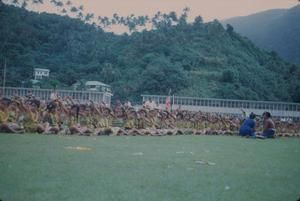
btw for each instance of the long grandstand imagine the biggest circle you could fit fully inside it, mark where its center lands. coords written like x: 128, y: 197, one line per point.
x: 228, y: 106
x: 44, y: 94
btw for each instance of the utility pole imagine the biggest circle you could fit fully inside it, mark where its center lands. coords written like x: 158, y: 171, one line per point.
x: 4, y: 77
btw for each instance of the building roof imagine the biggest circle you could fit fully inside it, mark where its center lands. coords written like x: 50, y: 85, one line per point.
x: 34, y: 81
x: 41, y: 69
x: 95, y: 83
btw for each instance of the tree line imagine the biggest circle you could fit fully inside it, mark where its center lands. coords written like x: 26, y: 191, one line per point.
x: 191, y: 58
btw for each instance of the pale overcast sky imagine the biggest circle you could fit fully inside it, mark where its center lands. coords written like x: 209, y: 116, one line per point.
x: 208, y: 9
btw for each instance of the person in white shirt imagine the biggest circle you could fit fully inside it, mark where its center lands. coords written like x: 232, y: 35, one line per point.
x: 152, y: 104
x: 53, y: 95
x: 147, y: 103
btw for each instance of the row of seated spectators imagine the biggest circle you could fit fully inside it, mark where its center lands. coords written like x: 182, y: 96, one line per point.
x: 66, y: 116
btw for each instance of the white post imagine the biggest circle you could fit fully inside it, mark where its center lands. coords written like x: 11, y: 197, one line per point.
x: 173, y: 102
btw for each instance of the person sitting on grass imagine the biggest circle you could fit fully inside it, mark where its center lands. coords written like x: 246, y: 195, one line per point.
x: 269, y: 126
x: 7, y: 123
x: 248, y: 127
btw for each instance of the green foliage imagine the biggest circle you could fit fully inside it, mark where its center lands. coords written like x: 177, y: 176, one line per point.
x: 197, y: 59
x: 161, y: 75
x: 229, y: 76
x: 198, y: 20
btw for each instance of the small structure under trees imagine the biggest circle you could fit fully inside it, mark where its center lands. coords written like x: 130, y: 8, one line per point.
x: 95, y: 86
x: 39, y: 73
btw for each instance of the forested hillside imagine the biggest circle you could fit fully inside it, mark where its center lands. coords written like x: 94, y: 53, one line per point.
x: 276, y: 30
x: 192, y: 59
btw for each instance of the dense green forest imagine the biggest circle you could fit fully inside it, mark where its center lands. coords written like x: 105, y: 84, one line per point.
x: 192, y: 59
x: 279, y: 30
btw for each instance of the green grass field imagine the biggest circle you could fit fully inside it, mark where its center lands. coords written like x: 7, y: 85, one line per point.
x: 177, y: 168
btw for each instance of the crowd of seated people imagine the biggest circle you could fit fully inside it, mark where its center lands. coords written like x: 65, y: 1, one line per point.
x: 68, y: 117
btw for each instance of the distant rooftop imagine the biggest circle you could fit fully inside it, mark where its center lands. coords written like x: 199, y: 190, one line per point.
x: 41, y: 69
x: 95, y: 83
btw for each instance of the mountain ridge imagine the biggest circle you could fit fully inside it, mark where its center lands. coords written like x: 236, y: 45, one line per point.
x: 273, y: 30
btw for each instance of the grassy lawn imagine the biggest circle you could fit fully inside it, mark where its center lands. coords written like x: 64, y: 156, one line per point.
x: 177, y: 168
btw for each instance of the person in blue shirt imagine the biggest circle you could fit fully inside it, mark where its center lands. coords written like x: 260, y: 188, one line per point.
x: 248, y: 126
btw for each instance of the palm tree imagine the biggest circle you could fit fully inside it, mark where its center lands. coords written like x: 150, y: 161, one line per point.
x: 89, y: 17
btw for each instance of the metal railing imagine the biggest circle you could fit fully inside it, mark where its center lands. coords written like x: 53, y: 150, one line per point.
x: 44, y: 94
x: 278, y: 109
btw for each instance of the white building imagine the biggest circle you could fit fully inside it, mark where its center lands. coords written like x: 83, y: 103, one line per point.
x: 39, y: 73
x: 97, y: 86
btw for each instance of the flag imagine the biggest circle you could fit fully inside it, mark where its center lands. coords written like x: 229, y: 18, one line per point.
x: 168, y: 103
